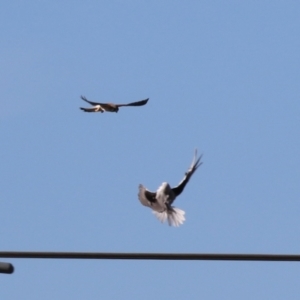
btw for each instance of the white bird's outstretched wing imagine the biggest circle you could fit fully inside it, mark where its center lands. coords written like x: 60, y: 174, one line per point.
x: 194, y: 166
x: 146, y: 197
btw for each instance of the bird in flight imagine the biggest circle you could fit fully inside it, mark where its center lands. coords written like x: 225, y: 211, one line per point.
x: 111, y: 107
x: 161, y: 200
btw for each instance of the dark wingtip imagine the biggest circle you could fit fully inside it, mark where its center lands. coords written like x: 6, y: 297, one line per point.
x: 198, y: 162
x: 145, y: 101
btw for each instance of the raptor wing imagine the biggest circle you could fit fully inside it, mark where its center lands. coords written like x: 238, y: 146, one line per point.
x: 138, y: 103
x: 90, y: 102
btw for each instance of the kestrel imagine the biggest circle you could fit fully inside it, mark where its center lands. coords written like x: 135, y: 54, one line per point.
x: 111, y: 107
x: 161, y: 200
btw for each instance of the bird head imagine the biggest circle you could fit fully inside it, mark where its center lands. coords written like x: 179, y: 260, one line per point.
x: 117, y: 109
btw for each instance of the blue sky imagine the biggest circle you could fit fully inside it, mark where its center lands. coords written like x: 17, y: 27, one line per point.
x: 222, y: 76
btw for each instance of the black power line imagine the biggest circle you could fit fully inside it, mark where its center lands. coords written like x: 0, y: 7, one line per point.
x: 6, y: 268
x: 151, y: 256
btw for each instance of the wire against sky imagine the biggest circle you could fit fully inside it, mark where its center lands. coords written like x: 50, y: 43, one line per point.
x: 150, y: 256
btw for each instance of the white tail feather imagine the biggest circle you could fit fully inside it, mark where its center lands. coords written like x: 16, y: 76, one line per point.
x: 175, y: 217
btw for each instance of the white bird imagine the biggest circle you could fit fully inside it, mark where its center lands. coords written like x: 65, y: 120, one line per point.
x: 161, y: 200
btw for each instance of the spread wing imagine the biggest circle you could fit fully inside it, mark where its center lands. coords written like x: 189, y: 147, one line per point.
x: 90, y: 102
x: 146, y: 197
x: 138, y: 103
x: 99, y: 106
x: 194, y: 166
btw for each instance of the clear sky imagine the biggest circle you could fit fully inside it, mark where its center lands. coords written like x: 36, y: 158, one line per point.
x: 222, y: 76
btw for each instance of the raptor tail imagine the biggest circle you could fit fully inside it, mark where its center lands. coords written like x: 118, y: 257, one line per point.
x: 92, y: 109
